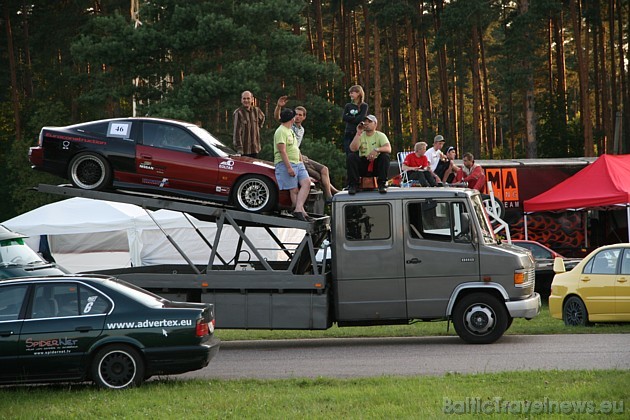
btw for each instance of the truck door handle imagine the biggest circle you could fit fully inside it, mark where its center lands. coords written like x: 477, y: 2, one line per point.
x: 83, y: 329
x: 413, y: 261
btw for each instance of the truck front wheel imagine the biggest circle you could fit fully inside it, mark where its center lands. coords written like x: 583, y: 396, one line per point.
x: 480, y: 318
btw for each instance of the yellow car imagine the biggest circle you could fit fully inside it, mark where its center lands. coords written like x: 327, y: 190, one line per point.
x: 595, y: 290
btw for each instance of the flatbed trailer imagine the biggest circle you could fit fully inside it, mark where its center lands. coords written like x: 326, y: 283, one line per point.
x: 283, y: 294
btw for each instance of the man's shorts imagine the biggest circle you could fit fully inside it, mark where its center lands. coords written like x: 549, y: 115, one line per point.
x: 286, y: 181
x: 314, y: 169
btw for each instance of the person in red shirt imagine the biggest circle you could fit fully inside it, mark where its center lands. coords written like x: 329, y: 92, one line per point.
x: 471, y: 173
x: 417, y: 166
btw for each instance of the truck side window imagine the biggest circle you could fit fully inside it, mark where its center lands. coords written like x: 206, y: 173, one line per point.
x: 438, y: 221
x: 367, y: 222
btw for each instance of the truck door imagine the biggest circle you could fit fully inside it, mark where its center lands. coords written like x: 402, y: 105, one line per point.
x: 438, y: 253
x: 370, y: 283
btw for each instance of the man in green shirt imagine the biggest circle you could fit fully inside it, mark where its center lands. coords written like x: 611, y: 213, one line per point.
x: 374, y: 149
x: 290, y: 171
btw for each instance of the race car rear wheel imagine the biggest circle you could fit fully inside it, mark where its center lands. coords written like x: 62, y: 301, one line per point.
x: 255, y: 193
x: 118, y: 367
x: 90, y: 171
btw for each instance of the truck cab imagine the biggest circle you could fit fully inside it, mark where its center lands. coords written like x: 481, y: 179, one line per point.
x: 427, y: 254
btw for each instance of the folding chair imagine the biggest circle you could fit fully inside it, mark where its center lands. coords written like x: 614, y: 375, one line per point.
x: 404, y: 180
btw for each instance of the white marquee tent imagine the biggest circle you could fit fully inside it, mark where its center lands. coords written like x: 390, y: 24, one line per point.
x: 85, y: 234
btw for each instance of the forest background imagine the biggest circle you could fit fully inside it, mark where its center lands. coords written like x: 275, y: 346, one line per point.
x: 499, y: 78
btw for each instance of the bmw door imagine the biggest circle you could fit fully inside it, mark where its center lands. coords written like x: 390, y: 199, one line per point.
x: 12, y: 297
x: 58, y: 332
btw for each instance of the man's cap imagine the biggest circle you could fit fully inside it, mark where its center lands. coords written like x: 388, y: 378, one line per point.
x: 449, y: 149
x: 438, y: 138
x: 286, y: 115
x: 372, y: 118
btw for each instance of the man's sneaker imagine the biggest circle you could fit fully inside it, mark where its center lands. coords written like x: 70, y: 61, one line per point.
x: 382, y: 188
x: 352, y: 189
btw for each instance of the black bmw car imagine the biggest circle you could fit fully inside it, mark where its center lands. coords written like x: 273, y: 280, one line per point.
x: 100, y: 329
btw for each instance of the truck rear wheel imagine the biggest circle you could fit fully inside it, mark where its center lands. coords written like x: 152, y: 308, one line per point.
x: 480, y: 318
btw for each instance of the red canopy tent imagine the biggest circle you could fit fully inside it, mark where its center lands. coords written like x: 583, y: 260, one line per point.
x: 604, y: 184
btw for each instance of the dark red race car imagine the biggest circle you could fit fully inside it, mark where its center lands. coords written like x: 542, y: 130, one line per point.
x: 151, y: 154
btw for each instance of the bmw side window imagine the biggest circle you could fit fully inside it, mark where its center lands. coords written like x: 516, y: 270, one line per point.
x: 367, y: 222
x: 605, y: 262
x: 92, y: 302
x: 11, y: 301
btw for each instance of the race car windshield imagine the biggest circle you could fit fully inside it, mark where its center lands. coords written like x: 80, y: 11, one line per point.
x: 221, y: 149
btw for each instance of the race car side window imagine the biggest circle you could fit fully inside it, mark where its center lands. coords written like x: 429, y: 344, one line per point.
x: 99, y: 129
x: 11, y: 300
x: 167, y: 137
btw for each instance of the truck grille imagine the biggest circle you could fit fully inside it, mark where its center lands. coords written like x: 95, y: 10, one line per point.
x: 530, y: 275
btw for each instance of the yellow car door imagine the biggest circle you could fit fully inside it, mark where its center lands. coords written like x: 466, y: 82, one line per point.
x: 622, y: 289
x: 597, y: 284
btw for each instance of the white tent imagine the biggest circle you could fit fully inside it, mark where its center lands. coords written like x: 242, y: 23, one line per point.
x: 85, y: 234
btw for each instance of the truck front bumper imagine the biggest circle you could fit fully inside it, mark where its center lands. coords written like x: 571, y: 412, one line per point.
x: 527, y: 308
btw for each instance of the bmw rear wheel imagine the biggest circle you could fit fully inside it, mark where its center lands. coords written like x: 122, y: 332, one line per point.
x: 480, y: 318
x: 90, y: 171
x: 255, y: 193
x: 574, y: 312
x: 118, y: 367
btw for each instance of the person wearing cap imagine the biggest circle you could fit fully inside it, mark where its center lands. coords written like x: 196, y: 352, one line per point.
x: 248, y: 120
x: 316, y: 170
x: 290, y: 171
x: 447, y: 168
x: 434, y: 154
x: 373, y: 148
x: 417, y: 166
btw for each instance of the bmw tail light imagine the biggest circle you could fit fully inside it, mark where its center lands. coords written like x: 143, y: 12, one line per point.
x: 202, y: 329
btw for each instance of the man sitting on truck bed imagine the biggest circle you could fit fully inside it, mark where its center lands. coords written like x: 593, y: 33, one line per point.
x: 373, y: 156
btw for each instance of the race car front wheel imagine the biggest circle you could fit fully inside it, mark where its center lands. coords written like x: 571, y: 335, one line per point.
x: 255, y: 193
x: 90, y: 171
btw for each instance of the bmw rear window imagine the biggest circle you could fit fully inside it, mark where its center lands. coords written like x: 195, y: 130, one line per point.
x: 146, y: 298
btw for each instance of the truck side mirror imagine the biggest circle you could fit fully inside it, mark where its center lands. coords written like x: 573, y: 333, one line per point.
x: 558, y: 265
x: 465, y: 223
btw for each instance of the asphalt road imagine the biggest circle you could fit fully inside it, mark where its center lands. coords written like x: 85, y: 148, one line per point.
x: 365, y: 357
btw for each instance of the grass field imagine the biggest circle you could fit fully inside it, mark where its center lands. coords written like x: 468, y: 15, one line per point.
x: 554, y: 394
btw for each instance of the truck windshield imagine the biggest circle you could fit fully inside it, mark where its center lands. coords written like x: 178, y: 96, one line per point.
x: 487, y: 232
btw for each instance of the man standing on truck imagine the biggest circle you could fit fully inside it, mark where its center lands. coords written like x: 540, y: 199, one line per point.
x: 290, y: 171
x: 248, y: 120
x: 373, y: 157
x: 315, y: 169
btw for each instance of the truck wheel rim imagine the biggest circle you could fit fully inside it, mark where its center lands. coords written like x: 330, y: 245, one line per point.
x: 479, y: 319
